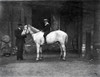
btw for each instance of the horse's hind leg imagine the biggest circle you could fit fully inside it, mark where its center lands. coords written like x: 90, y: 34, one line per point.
x: 61, y: 50
x: 64, y: 50
x: 38, y: 49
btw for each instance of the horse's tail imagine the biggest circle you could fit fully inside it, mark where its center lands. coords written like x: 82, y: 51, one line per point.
x: 66, y: 41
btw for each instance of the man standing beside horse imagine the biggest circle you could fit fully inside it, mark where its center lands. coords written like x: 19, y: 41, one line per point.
x: 20, y: 40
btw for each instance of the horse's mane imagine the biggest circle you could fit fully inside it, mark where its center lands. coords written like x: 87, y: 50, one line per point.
x: 34, y: 29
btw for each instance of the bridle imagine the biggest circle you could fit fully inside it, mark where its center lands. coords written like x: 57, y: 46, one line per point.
x: 26, y: 30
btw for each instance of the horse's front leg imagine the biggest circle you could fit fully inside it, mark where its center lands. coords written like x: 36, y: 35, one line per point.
x: 38, y: 48
x: 41, y: 56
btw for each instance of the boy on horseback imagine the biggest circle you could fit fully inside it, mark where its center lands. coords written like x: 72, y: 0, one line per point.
x: 46, y: 29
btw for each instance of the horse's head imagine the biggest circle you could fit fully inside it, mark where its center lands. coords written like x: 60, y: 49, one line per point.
x: 26, y: 30
x: 29, y: 29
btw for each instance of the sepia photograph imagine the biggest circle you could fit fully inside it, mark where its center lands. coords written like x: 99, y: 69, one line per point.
x: 49, y: 38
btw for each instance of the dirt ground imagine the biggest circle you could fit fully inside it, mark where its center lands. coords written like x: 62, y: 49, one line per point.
x: 50, y: 66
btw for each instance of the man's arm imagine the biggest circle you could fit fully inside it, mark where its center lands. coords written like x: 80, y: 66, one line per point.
x: 17, y: 34
x: 47, y: 27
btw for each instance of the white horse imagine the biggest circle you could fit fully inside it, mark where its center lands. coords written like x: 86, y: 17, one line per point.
x: 52, y: 37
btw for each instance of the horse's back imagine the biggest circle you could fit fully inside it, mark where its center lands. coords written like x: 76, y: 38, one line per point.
x: 57, y: 34
x: 60, y: 32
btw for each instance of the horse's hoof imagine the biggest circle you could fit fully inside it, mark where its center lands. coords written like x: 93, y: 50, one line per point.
x: 63, y: 59
x: 37, y: 59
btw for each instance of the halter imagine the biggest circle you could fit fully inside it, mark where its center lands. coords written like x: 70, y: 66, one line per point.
x: 30, y: 31
x: 26, y: 30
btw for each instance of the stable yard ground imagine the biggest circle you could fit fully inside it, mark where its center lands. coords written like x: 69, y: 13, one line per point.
x: 50, y: 66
